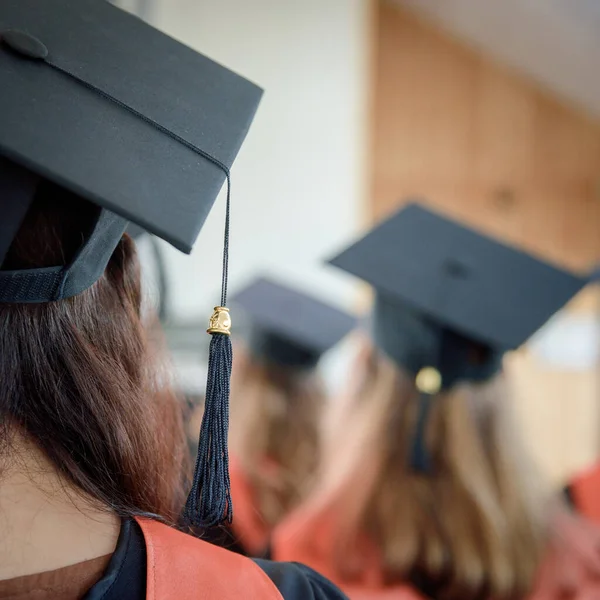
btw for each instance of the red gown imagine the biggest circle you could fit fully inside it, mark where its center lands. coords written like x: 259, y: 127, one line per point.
x: 571, y: 571
x: 249, y: 529
x: 155, y: 562
x: 173, y: 569
x: 584, y: 491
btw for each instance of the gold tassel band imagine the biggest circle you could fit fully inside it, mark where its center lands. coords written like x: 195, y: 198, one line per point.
x: 220, y: 322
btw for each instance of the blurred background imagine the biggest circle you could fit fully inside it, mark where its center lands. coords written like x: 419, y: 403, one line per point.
x: 489, y: 111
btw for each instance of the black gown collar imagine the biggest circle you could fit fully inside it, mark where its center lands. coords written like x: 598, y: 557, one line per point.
x: 125, y: 576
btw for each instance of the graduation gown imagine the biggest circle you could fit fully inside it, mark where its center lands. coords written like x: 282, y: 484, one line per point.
x: 584, y: 493
x: 155, y: 562
x: 306, y: 537
x: 248, y: 534
x: 248, y: 529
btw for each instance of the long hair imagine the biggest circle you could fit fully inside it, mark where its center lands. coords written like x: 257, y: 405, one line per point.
x: 476, y: 527
x: 275, y: 416
x: 79, y: 377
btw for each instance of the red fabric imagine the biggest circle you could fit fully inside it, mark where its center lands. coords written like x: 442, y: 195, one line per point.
x: 248, y: 525
x: 307, y: 538
x: 181, y: 567
x: 571, y: 569
x: 585, y: 490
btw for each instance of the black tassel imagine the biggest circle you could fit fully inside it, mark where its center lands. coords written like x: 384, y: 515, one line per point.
x: 420, y: 458
x: 429, y: 383
x: 209, y: 501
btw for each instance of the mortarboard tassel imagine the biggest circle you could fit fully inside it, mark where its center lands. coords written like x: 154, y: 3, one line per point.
x: 209, y: 501
x: 428, y: 382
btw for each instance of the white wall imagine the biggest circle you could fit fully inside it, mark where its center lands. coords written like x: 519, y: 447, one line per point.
x: 298, y: 183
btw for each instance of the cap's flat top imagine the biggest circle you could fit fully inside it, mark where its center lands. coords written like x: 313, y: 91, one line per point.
x: 71, y: 134
x: 466, y: 281
x: 294, y: 316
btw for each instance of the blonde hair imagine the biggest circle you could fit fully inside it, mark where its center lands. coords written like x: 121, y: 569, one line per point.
x: 475, y: 528
x: 275, y: 433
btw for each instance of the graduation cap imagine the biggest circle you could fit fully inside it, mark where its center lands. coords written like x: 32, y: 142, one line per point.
x: 594, y: 276
x: 106, y: 107
x: 135, y: 231
x: 451, y: 301
x: 288, y: 327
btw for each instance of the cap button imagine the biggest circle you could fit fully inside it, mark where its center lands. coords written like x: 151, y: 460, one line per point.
x: 428, y: 381
x: 24, y: 43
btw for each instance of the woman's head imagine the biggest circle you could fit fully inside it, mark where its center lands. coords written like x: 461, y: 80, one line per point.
x: 275, y: 417
x: 79, y: 375
x: 475, y: 525
x: 449, y: 301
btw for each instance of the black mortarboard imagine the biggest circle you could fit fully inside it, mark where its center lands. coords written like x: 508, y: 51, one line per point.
x: 103, y: 105
x: 135, y: 231
x: 108, y: 107
x: 464, y: 280
x: 449, y: 300
x: 288, y: 327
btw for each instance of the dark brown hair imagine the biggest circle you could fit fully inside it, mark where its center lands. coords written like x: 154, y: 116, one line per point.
x: 79, y: 376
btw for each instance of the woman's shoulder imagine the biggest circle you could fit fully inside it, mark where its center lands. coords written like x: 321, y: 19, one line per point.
x: 306, y: 536
x: 299, y: 582
x: 571, y: 567
x: 175, y: 558
x: 583, y: 492
x: 249, y: 528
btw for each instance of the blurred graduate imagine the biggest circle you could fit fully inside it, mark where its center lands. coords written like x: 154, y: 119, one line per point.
x: 583, y: 491
x: 277, y: 400
x: 425, y: 489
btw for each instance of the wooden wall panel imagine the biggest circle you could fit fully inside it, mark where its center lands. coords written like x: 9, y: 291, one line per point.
x: 482, y: 143
x: 558, y: 413
x: 487, y: 146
